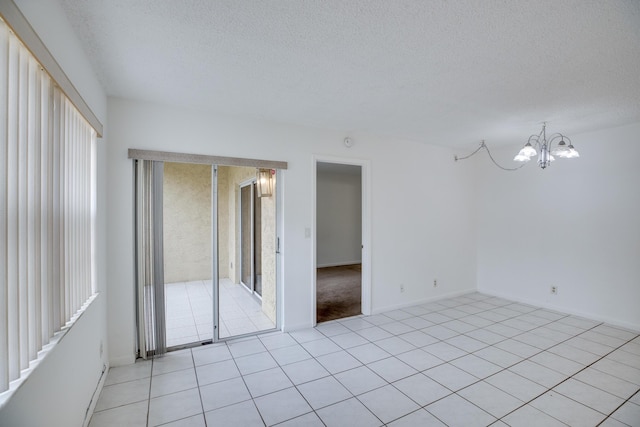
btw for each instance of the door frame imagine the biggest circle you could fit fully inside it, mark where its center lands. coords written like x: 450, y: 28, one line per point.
x: 365, y: 296
x: 215, y: 267
x: 215, y: 162
x: 251, y: 184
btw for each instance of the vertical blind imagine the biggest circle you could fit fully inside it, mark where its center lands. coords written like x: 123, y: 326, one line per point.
x: 47, y: 209
x: 149, y: 259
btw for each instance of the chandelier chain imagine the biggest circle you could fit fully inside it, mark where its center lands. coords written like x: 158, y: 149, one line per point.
x: 471, y: 155
x: 484, y: 146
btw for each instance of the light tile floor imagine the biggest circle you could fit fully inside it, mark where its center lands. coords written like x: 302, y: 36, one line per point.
x: 473, y: 360
x: 189, y: 310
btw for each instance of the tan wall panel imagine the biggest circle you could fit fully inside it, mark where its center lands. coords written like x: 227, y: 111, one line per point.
x: 223, y: 221
x: 187, y: 222
x: 236, y: 175
x: 269, y: 254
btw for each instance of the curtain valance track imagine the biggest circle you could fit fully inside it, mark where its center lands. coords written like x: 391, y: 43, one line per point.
x: 166, y: 156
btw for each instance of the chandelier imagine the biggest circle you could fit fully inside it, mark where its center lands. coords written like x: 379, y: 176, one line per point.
x: 546, y: 154
x: 536, y: 145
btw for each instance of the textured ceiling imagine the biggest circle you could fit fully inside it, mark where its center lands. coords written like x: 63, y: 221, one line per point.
x: 441, y: 72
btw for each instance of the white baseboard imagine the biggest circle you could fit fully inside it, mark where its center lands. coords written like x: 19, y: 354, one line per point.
x: 122, y: 361
x: 338, y: 264
x: 96, y: 396
x: 406, y: 304
x: 297, y: 327
x: 614, y: 322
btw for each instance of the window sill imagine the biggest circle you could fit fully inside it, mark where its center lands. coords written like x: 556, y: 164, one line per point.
x: 15, y: 385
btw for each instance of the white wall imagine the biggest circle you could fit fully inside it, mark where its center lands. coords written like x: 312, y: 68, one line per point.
x: 414, y: 239
x: 575, y: 225
x: 59, y: 391
x: 339, y: 217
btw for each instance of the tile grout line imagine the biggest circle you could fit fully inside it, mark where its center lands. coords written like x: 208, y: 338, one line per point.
x: 195, y: 373
x: 149, y: 396
x: 618, y: 407
x: 588, y: 366
x: 253, y: 400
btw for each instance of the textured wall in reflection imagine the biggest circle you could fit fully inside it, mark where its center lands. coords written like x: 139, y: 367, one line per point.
x: 187, y: 222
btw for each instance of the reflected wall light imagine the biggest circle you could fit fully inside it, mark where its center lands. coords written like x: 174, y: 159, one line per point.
x: 264, y: 182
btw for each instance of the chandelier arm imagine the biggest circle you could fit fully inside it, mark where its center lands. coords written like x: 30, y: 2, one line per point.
x: 535, y: 139
x: 542, y: 135
x: 555, y: 136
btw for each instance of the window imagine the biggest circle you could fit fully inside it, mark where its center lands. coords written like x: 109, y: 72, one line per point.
x: 47, y: 210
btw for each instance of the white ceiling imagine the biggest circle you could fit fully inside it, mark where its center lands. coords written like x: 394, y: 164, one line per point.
x: 435, y: 71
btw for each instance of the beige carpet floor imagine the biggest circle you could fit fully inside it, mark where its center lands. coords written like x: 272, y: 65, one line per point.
x: 338, y: 292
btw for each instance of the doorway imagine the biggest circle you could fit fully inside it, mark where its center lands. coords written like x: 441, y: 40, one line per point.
x: 339, y: 241
x: 217, y: 202
x: 190, y: 207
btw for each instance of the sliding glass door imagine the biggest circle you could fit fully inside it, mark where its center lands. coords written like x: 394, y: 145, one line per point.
x: 207, y: 245
x: 247, y: 246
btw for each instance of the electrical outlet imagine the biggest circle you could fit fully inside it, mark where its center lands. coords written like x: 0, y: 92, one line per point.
x: 435, y: 283
x: 554, y: 290
x: 401, y: 287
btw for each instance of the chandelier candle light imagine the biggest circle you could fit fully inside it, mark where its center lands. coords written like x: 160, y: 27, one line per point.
x: 545, y: 153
